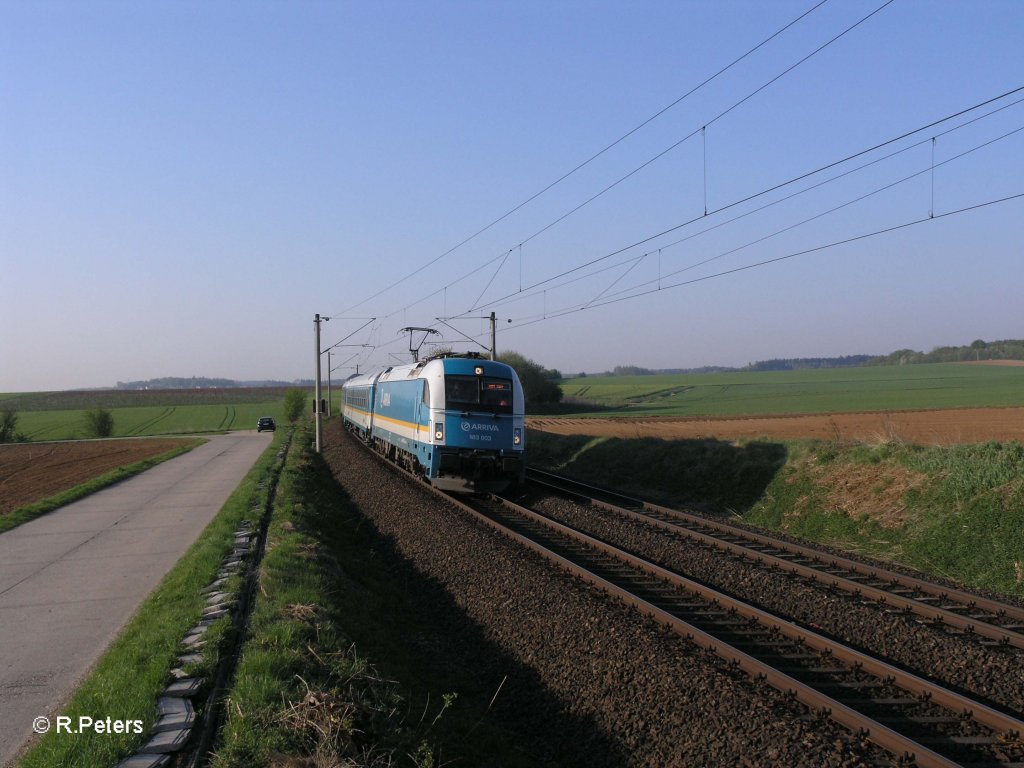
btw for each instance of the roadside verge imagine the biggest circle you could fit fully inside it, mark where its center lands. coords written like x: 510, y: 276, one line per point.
x: 302, y: 694
x: 124, y: 684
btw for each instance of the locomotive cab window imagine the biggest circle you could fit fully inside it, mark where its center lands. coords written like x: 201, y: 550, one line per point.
x: 478, y: 394
x: 461, y: 390
x: 496, y: 395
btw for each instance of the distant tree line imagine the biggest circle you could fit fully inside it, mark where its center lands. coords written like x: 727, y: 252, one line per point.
x: 198, y: 382
x: 636, y: 370
x: 799, y: 363
x: 632, y: 370
x: 1006, y: 349
x: 778, y: 364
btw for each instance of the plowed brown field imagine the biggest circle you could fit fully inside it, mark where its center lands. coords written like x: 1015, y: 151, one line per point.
x: 938, y: 427
x: 30, y: 472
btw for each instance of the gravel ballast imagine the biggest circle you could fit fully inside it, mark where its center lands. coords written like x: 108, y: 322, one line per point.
x: 596, y: 683
x: 991, y: 672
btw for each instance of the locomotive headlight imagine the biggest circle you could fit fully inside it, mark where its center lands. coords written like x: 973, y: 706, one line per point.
x: 439, y: 432
x: 517, y: 436
x: 479, y: 370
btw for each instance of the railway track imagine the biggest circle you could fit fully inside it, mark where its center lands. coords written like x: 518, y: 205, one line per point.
x: 914, y: 719
x: 918, y: 721
x: 954, y: 611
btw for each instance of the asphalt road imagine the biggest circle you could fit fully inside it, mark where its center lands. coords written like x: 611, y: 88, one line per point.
x: 70, y: 580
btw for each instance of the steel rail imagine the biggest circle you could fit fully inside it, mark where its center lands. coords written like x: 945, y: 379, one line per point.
x: 856, y: 722
x: 984, y: 715
x: 898, y: 744
x: 818, y: 571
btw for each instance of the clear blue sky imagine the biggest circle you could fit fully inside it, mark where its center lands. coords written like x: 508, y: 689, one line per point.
x: 184, y: 184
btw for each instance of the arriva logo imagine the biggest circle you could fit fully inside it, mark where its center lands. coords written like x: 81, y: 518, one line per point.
x: 467, y: 427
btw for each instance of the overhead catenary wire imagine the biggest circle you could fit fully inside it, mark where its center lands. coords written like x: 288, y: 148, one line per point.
x: 848, y: 203
x: 548, y: 315
x: 596, y: 301
x: 630, y: 292
x: 932, y: 217
x: 748, y: 198
x: 633, y: 260
x: 830, y: 211
x: 516, y: 298
x: 701, y: 130
x: 349, y: 336
x: 476, y: 305
x: 636, y: 262
x: 592, y: 158
x: 496, y: 271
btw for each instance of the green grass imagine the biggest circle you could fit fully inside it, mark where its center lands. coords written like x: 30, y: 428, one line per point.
x: 20, y: 515
x: 795, y: 503
x: 965, y: 521
x: 295, y: 646
x: 943, y: 385
x: 144, y: 413
x: 72, y: 400
x: 324, y: 593
x: 148, y: 421
x: 125, y: 682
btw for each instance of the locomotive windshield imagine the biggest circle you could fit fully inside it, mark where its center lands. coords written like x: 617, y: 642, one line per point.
x: 478, y: 394
x: 497, y: 395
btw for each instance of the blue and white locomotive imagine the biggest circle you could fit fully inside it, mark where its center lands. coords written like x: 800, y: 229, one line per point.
x: 456, y: 421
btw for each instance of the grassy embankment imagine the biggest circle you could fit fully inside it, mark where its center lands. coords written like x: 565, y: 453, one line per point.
x: 302, y: 692
x: 125, y: 682
x: 23, y: 514
x: 953, y: 511
x: 884, y: 388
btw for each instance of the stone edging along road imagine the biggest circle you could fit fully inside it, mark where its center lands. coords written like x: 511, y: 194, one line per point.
x: 71, y: 579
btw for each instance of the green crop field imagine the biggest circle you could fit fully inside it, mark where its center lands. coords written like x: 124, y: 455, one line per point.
x: 940, y: 385
x: 61, y: 415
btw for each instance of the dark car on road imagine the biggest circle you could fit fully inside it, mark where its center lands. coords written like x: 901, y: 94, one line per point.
x: 265, y: 423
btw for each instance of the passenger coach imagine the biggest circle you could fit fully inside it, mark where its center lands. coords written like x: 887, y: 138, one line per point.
x: 457, y: 421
